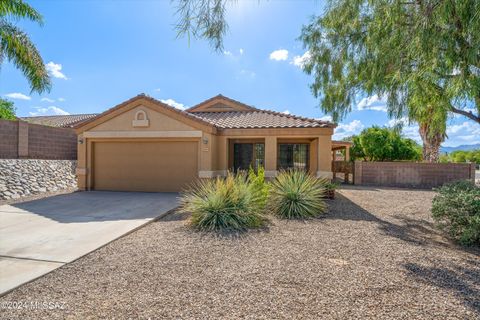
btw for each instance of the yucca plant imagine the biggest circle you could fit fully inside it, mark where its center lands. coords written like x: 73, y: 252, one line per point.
x: 224, y: 204
x: 295, y: 194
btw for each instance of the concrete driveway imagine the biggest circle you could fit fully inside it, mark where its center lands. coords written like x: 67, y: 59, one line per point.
x: 39, y: 236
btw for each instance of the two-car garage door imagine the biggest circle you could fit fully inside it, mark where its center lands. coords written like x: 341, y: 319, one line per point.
x: 154, y: 166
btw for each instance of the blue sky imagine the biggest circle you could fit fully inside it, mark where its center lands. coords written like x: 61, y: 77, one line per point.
x: 101, y: 53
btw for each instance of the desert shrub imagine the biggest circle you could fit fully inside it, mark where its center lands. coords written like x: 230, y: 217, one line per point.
x: 329, y: 187
x: 456, y: 209
x: 258, y: 186
x: 233, y: 203
x: 297, y: 194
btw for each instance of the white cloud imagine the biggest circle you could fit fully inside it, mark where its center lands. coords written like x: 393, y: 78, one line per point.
x: 47, y: 100
x: 157, y: 90
x: 241, y: 51
x: 300, y: 61
x: 393, y: 122
x: 49, y: 111
x: 466, y: 128
x: 373, y: 103
x: 409, y: 130
x: 279, y: 55
x: 174, y: 104
x: 460, y: 133
x: 17, y: 95
x: 344, y: 130
x: 61, y: 99
x: 286, y: 112
x: 55, y: 69
x: 326, y: 118
x: 227, y: 53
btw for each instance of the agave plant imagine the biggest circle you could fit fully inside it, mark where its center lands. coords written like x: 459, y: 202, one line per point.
x: 296, y: 194
x: 224, y: 204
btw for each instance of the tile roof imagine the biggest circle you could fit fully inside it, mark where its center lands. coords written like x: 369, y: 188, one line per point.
x: 259, y: 119
x: 248, y: 119
x: 220, y: 97
x: 253, y: 117
x: 63, y: 121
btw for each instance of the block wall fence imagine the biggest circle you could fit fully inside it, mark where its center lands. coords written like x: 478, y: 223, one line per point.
x: 411, y: 174
x: 23, y: 140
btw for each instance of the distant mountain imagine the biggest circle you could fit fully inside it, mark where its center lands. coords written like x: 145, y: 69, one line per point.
x: 463, y: 147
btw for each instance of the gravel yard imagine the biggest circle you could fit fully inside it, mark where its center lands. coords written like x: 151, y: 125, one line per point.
x: 375, y: 255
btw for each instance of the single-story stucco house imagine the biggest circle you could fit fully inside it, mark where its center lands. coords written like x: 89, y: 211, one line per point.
x: 145, y: 145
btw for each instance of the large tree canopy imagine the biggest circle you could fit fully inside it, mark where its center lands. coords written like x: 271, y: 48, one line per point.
x: 420, y: 54
x: 423, y: 56
x: 16, y: 46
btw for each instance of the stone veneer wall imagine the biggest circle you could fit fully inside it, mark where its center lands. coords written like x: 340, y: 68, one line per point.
x: 22, y: 177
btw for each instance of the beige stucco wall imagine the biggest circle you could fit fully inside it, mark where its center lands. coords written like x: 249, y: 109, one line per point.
x: 120, y: 128
x: 157, y: 122
x: 320, y: 140
x: 213, y: 149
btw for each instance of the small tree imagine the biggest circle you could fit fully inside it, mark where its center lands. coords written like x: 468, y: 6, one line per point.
x: 7, y: 110
x: 384, y: 144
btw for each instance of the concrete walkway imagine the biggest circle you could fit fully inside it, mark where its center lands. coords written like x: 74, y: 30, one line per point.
x: 39, y: 236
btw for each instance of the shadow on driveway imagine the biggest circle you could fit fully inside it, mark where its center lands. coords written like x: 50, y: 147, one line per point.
x: 97, y: 206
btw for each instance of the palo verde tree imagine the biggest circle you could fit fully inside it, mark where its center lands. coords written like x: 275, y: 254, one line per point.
x: 16, y: 46
x: 422, y: 55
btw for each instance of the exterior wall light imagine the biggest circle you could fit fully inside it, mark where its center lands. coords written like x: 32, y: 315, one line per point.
x: 80, y: 141
x: 205, y: 140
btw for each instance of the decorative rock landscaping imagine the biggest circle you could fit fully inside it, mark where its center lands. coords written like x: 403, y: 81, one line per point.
x: 375, y: 255
x: 24, y: 177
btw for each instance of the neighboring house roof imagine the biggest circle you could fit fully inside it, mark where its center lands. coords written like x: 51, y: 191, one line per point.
x: 224, y: 113
x: 63, y: 121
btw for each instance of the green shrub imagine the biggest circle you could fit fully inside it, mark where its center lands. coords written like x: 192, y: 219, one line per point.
x: 456, y: 208
x: 258, y: 186
x: 297, y: 194
x: 330, y: 187
x: 233, y: 203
